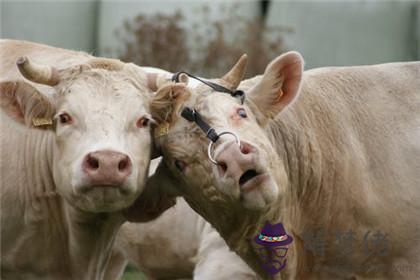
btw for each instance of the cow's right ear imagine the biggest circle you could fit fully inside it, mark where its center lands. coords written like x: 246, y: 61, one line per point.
x: 25, y: 104
x: 164, y: 106
x: 279, y: 86
x: 167, y: 101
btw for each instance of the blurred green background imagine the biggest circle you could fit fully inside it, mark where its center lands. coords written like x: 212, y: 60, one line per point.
x: 131, y: 273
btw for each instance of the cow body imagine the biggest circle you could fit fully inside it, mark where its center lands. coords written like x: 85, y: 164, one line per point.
x: 353, y: 161
x: 345, y: 156
x: 59, y: 211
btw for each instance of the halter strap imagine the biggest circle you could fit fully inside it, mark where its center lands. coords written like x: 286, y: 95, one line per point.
x: 194, y: 116
x: 234, y: 93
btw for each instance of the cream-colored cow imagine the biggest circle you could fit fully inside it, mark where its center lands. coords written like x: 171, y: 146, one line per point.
x: 323, y: 152
x: 75, y: 150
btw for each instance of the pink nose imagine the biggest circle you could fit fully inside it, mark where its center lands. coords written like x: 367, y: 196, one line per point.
x: 107, y: 167
x: 235, y: 160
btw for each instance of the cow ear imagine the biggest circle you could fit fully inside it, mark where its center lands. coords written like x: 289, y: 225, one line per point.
x: 279, y: 86
x: 167, y: 101
x: 164, y: 107
x: 155, y: 81
x: 25, y: 104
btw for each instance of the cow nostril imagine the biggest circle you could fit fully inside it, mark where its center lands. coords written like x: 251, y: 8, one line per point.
x: 123, y: 164
x: 93, y: 163
x: 245, y: 148
x: 222, y: 168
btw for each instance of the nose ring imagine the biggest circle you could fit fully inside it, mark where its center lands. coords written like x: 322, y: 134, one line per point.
x: 209, y: 149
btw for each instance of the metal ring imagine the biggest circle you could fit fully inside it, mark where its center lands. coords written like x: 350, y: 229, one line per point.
x: 209, y: 149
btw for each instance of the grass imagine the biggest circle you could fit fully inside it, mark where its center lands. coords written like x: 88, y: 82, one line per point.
x: 131, y: 273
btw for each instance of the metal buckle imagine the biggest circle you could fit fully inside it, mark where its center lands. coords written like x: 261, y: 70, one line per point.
x: 209, y: 149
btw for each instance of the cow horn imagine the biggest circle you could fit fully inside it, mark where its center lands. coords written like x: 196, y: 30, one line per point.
x: 155, y: 80
x: 235, y: 75
x: 41, y: 74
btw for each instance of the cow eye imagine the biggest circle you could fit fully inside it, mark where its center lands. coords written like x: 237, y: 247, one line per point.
x: 142, y: 122
x: 64, y: 118
x: 180, y: 165
x: 242, y: 113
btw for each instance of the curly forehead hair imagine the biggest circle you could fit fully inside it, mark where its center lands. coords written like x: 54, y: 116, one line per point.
x: 98, y: 74
x: 167, y: 101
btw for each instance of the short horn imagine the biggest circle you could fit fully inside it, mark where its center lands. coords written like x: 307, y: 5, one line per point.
x: 235, y: 75
x: 156, y: 81
x: 40, y: 74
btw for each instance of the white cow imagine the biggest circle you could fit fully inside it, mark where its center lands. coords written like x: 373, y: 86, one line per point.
x: 66, y: 180
x: 333, y: 154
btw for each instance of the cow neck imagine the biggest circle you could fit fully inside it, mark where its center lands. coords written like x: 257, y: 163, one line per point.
x: 247, y: 225
x: 298, y: 153
x: 37, y: 155
x: 291, y: 147
x: 295, y: 140
x: 235, y: 224
x: 43, y: 207
x: 89, y: 236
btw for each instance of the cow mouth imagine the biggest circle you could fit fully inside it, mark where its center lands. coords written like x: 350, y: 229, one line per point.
x: 103, y: 186
x: 250, y: 179
x: 248, y: 175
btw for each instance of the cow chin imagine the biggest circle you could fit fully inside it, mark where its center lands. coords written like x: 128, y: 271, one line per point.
x: 260, y: 197
x: 99, y: 199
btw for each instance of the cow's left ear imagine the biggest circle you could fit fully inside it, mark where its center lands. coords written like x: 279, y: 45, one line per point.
x: 25, y: 104
x: 167, y: 101
x: 279, y: 86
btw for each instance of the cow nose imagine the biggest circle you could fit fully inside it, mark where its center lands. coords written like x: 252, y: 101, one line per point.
x: 107, y: 167
x: 233, y: 160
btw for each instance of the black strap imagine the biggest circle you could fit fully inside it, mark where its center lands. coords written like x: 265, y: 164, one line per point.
x: 194, y: 116
x: 234, y: 93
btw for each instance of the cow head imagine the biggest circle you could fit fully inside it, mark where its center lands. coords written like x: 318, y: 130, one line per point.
x: 99, y: 116
x: 250, y: 174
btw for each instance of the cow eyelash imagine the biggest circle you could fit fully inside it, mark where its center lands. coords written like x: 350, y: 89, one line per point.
x: 143, y: 122
x: 242, y: 113
x: 180, y: 165
x: 65, y: 118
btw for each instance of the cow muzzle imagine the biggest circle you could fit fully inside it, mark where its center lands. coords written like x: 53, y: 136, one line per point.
x: 240, y: 163
x: 106, y: 168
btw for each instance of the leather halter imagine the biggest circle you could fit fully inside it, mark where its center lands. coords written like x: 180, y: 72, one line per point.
x: 192, y: 115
